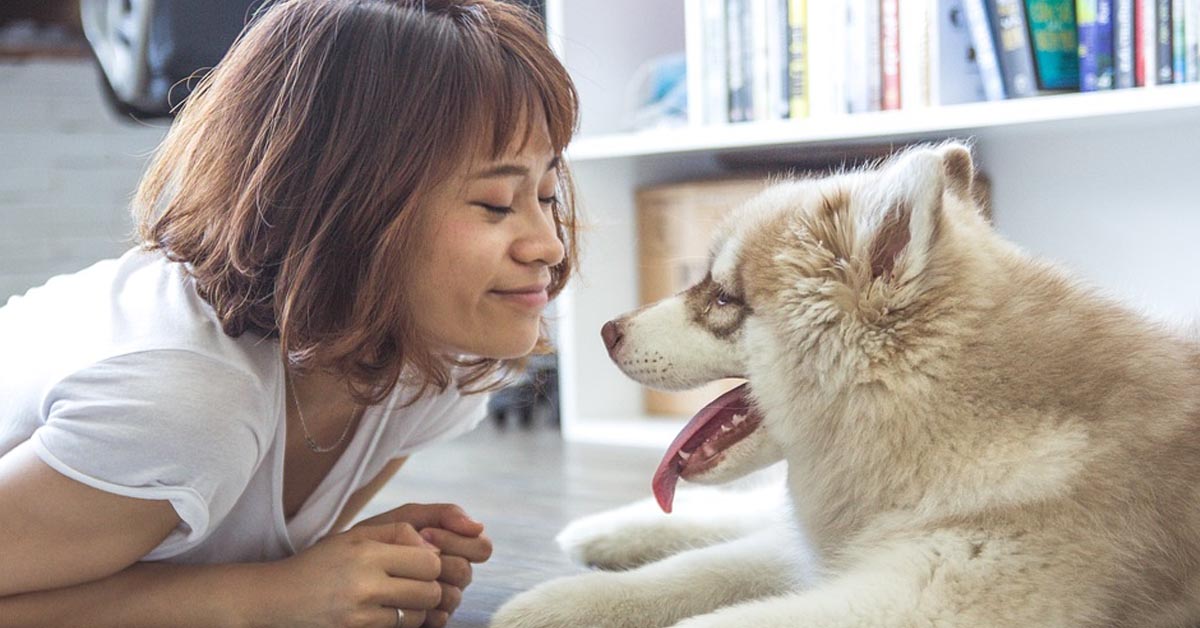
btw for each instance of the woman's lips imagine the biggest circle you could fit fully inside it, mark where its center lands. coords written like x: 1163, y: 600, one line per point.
x: 533, y: 299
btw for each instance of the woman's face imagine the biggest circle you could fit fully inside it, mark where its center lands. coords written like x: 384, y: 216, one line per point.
x: 480, y: 287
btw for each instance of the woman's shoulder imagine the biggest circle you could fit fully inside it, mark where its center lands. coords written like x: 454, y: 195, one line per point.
x: 140, y: 312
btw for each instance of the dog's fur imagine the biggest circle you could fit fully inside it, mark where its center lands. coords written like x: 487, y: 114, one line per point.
x: 971, y: 438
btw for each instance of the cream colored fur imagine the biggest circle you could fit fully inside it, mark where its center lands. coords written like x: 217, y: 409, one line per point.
x: 972, y: 439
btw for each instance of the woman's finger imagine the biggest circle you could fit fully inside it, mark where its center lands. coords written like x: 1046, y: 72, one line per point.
x: 385, y: 617
x: 409, y: 594
x: 475, y: 549
x: 402, y: 561
x: 451, y: 598
x: 455, y: 571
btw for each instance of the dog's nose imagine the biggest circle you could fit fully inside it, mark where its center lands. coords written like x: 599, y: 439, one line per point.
x: 611, y: 333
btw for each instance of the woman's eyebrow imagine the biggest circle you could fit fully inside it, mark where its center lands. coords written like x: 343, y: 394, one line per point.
x: 511, y: 170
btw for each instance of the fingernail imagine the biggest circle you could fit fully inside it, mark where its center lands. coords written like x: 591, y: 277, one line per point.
x: 427, y: 535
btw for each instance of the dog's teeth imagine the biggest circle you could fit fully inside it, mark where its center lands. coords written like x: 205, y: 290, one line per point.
x: 738, y: 419
x: 726, y: 428
x: 709, y: 452
x: 685, y: 455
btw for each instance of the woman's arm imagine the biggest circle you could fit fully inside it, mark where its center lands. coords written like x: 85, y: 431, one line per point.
x: 68, y: 556
x: 58, y: 532
x: 145, y: 594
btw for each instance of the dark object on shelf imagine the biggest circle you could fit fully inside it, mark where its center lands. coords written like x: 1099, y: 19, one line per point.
x: 153, y: 54
x: 532, y: 400
x: 147, y: 50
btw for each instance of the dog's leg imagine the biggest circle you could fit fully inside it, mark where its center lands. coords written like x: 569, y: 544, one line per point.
x: 662, y: 593
x: 641, y: 533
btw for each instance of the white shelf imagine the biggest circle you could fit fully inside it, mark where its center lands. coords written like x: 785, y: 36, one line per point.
x: 888, y: 125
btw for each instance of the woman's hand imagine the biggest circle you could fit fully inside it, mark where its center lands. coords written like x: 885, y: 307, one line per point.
x: 460, y: 540
x: 357, y: 578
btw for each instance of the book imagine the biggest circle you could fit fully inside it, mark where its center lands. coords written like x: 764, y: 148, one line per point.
x: 777, y: 72
x: 797, y: 68
x: 916, y: 21
x: 737, y: 55
x: 1013, y: 48
x: 1191, y: 51
x: 1123, y: 52
x: 1053, y: 31
x: 1164, y: 33
x: 826, y: 57
x: 714, y: 81
x: 1178, y: 41
x: 889, y: 22
x: 864, y: 64
x: 954, y: 72
x: 985, y: 49
x: 1095, y: 44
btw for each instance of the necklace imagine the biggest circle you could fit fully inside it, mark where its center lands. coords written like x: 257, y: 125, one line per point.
x: 308, y: 439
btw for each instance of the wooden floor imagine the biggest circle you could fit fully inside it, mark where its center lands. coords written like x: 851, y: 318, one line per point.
x: 524, y: 485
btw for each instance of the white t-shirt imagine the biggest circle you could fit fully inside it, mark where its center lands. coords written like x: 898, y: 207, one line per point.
x: 120, y: 377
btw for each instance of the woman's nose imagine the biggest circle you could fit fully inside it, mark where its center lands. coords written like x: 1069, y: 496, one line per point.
x: 540, y: 242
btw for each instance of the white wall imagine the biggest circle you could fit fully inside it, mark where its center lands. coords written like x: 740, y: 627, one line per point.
x: 1120, y: 207
x: 68, y: 168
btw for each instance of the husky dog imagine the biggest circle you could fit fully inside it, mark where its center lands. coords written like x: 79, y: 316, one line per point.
x: 970, y: 437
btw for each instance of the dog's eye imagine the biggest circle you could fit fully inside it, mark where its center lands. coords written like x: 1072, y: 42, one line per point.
x: 724, y: 299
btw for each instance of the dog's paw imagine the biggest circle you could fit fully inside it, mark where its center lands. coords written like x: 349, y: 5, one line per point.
x: 639, y: 533
x: 585, y: 601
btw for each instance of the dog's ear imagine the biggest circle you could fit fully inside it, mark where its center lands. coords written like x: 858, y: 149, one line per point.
x: 909, y: 213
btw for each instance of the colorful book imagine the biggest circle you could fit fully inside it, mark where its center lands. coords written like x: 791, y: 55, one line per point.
x: 1013, y: 48
x: 1123, y: 52
x: 889, y: 21
x: 985, y: 49
x: 797, y: 67
x: 1053, y: 31
x: 1095, y: 44
x: 1164, y: 34
x: 1191, y: 31
x: 1179, y: 40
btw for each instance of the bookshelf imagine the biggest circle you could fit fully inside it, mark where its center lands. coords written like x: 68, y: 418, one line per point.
x: 1104, y: 183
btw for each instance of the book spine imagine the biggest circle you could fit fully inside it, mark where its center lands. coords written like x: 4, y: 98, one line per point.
x: 826, y: 57
x: 738, y: 84
x: 1192, y: 48
x: 985, y: 49
x: 914, y: 53
x: 760, y: 63
x: 1164, y: 33
x: 1095, y: 44
x: 889, y: 19
x: 1178, y: 41
x: 1123, y: 54
x: 798, y: 76
x: 1139, y: 41
x: 716, y: 74
x: 873, y: 52
x: 777, y: 76
x: 1012, y: 43
x: 954, y: 71
x: 1053, y: 31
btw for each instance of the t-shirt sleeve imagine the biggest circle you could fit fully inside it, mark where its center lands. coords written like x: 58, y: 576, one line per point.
x: 165, y: 425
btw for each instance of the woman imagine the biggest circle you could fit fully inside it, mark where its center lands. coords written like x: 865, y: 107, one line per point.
x: 350, y: 232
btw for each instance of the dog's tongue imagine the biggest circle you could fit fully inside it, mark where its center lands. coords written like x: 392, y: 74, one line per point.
x: 668, y: 471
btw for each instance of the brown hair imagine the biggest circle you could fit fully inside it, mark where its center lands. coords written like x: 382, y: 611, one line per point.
x: 289, y: 181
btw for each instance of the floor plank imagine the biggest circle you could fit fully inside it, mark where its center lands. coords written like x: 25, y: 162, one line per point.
x: 524, y: 485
